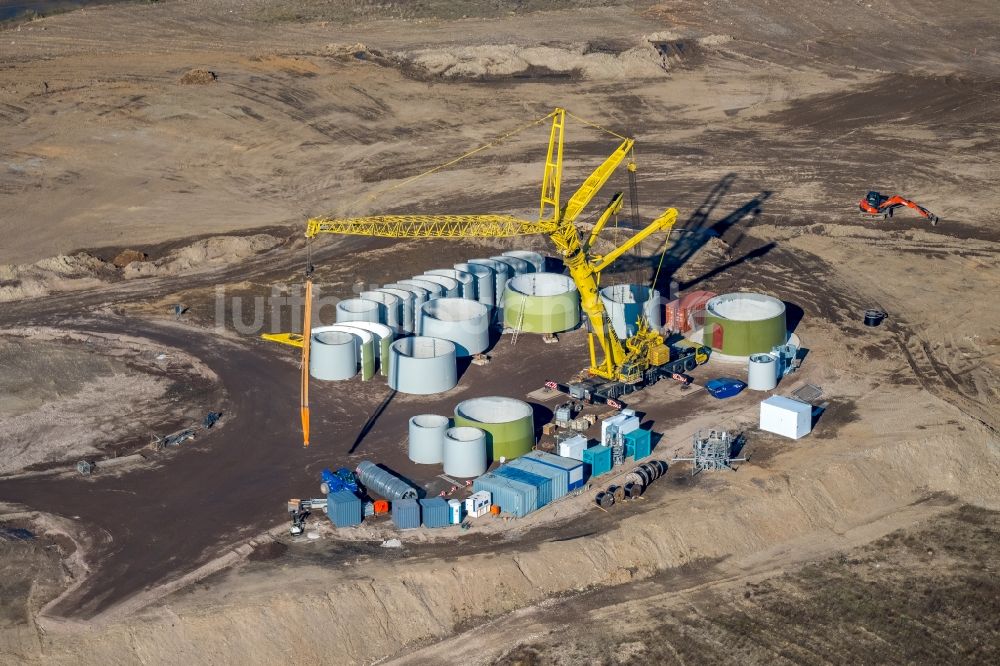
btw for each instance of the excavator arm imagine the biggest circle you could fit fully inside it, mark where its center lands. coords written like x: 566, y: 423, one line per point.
x: 875, y: 203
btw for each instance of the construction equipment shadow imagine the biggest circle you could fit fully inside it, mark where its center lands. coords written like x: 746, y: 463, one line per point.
x: 372, y: 420
x: 696, y: 232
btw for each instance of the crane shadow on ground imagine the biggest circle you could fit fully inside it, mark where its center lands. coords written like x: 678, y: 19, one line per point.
x: 696, y: 231
x: 372, y: 420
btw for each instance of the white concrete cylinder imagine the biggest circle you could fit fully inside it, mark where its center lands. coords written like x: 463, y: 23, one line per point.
x: 465, y: 452
x: 626, y: 302
x: 452, y: 288
x: 466, y: 281
x: 420, y: 295
x: 422, y: 366
x: 485, y: 280
x: 762, y: 372
x: 407, y: 300
x: 382, y: 337
x: 464, y: 322
x: 434, y: 289
x: 333, y: 356
x: 426, y: 438
x: 390, y: 308
x: 501, y: 273
x: 357, y: 309
x: 535, y: 260
x: 517, y: 266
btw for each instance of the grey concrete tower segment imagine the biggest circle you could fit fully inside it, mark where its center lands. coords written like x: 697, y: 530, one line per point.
x: 382, y: 338
x: 535, y: 260
x: 466, y: 281
x: 420, y: 294
x: 426, y: 438
x: 517, y: 266
x: 434, y: 289
x: 485, y: 282
x: 407, y: 300
x: 465, y: 452
x: 625, y: 302
x: 364, y: 341
x: 452, y: 289
x: 390, y: 308
x: 422, y: 366
x: 357, y: 309
x: 333, y: 356
x: 501, y: 273
x: 464, y: 322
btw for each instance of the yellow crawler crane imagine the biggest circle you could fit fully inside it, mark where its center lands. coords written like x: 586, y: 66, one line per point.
x: 626, y: 365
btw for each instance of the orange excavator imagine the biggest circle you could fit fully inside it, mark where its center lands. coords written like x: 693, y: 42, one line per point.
x: 875, y: 204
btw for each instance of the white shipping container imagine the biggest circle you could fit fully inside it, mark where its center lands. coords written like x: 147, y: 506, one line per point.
x: 786, y: 417
x: 626, y: 423
x: 573, y: 447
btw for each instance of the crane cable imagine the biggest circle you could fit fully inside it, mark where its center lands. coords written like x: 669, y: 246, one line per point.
x: 500, y: 139
x: 503, y: 137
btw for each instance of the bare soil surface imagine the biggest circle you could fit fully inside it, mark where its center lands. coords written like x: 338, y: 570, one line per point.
x: 763, y: 123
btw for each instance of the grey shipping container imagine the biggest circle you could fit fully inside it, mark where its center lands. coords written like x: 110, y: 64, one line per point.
x: 406, y: 514
x: 543, y: 485
x: 558, y: 477
x: 344, y: 508
x: 513, y: 497
x: 435, y: 512
x: 574, y: 468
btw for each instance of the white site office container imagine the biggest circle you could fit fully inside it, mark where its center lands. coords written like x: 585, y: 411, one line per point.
x: 785, y: 417
x: 478, y: 504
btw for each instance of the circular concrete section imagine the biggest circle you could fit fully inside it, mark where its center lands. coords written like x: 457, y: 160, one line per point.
x: 465, y: 452
x: 485, y: 282
x: 427, y: 438
x: 762, y: 372
x: 420, y: 294
x: 407, y: 300
x: 535, y: 260
x: 358, y: 309
x: 517, y: 266
x: 501, y: 273
x: 743, y: 323
x: 509, y: 424
x: 422, y: 366
x: 464, y: 322
x: 466, y: 281
x: 541, y: 303
x: 452, y: 287
x: 625, y: 303
x: 333, y: 356
x: 364, y: 342
x: 382, y: 337
x: 433, y: 289
x: 390, y: 311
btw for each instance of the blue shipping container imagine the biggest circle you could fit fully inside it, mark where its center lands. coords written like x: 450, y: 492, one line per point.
x: 406, y: 514
x: 638, y: 444
x: 599, y: 459
x: 574, y: 468
x: 435, y: 512
x: 558, y: 477
x: 344, y: 508
x: 542, y: 484
x: 513, y: 497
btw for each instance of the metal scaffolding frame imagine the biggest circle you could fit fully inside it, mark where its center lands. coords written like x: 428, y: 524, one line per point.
x: 713, y: 449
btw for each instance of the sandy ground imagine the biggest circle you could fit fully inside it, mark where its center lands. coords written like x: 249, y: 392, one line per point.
x: 763, y: 126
